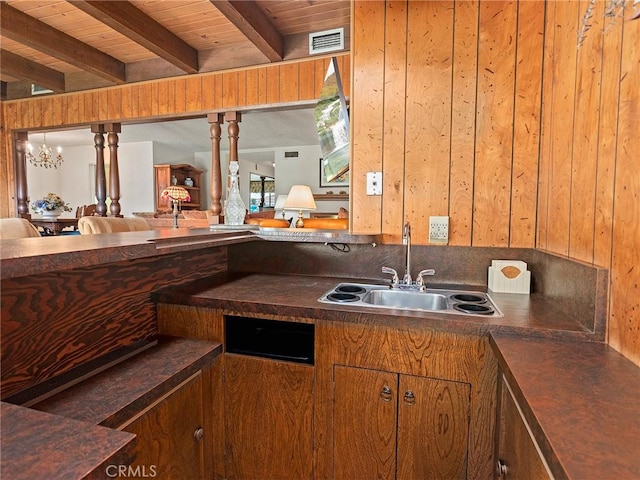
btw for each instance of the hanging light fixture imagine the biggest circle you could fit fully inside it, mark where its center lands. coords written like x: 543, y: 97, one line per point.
x: 45, y: 156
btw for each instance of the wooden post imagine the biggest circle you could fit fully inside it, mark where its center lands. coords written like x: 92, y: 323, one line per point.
x: 215, y: 186
x: 20, y: 165
x: 100, y: 180
x: 233, y: 130
x: 114, y: 174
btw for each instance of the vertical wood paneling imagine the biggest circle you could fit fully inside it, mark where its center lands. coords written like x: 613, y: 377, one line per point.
x: 307, y: 79
x: 46, y: 111
x: 164, y: 106
x: 526, y: 124
x: 218, y: 89
x: 321, y: 67
x: 193, y: 85
x: 71, y: 110
x: 367, y: 116
x: 262, y: 85
x: 273, y: 84
x: 208, y: 92
x: 494, y: 127
x: 607, y: 134
x: 624, y: 333
x: 563, y: 78
x: 181, y: 95
x: 463, y: 108
x: 145, y: 99
x: 289, y: 82
x: 395, y: 62
x: 126, y: 103
x: 230, y: 89
x: 103, y: 103
x: 585, y: 144
x: 428, y: 119
x: 242, y: 88
x: 114, y: 99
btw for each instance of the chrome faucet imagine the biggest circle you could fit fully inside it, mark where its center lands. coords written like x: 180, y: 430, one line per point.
x: 407, y: 282
x: 406, y: 238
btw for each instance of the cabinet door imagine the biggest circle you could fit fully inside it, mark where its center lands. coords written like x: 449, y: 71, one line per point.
x: 168, y: 445
x: 433, y: 428
x: 268, y: 418
x: 365, y: 407
x: 517, y: 449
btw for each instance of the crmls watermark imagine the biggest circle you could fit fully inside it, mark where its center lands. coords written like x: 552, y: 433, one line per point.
x: 138, y: 471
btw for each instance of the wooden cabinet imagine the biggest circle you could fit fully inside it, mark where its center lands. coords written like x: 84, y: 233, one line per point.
x: 389, y: 425
x: 518, y: 456
x: 170, y: 434
x: 268, y: 418
x: 163, y: 174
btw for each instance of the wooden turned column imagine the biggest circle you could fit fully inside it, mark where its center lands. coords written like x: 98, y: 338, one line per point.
x: 20, y: 164
x: 215, y: 185
x: 233, y: 130
x: 114, y: 174
x: 100, y: 180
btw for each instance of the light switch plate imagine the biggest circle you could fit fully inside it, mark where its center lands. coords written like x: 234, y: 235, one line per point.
x: 374, y: 183
x: 439, y: 230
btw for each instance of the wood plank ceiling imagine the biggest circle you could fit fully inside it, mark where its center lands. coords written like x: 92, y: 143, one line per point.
x: 76, y: 45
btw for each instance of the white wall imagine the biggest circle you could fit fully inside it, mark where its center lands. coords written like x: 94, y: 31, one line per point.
x: 72, y: 180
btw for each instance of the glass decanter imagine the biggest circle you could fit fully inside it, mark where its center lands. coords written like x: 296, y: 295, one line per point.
x: 234, y: 209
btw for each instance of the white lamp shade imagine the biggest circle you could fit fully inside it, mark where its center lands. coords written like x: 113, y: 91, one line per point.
x: 300, y: 198
x: 280, y: 201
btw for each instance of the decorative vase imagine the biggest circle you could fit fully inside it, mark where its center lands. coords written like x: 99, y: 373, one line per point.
x: 51, y: 213
x: 174, y: 180
x: 234, y: 209
x: 188, y: 182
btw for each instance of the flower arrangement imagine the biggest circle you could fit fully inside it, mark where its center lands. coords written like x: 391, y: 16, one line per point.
x: 49, y: 203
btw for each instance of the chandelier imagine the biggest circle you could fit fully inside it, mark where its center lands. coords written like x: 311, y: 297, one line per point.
x: 45, y: 156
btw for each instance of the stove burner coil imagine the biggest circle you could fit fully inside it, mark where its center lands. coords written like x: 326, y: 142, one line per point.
x: 342, y: 297
x: 355, y: 289
x: 468, y: 298
x: 473, y: 308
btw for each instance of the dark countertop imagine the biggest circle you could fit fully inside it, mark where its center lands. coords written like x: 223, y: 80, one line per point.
x: 582, y: 402
x: 296, y: 296
x: 38, y: 445
x: 70, y: 435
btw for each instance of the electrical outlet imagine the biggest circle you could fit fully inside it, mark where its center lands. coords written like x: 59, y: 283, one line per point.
x: 439, y: 230
x: 374, y: 183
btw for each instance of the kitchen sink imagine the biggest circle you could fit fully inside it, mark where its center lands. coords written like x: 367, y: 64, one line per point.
x: 461, y: 302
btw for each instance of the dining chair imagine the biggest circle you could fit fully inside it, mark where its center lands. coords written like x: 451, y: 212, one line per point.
x: 86, y: 210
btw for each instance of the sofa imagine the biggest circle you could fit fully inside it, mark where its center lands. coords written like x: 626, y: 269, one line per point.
x: 93, y: 225
x: 17, y: 228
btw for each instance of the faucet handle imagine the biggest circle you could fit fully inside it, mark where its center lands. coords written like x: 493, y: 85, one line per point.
x: 395, y: 280
x: 420, y: 280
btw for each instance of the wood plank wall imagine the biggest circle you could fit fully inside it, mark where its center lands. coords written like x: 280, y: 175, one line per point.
x: 487, y: 112
x: 183, y: 96
x: 490, y: 115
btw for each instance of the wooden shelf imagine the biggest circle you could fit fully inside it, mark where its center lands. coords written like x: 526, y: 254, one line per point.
x: 331, y: 196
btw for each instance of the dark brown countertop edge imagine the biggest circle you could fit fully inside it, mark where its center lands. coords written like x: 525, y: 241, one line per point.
x: 133, y: 384
x: 580, y: 400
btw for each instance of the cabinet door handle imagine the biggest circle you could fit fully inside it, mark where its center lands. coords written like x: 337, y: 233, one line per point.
x: 501, y: 469
x: 409, y: 398
x: 198, y: 434
x: 385, y: 393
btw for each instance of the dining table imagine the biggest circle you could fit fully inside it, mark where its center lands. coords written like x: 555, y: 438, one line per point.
x: 55, y: 225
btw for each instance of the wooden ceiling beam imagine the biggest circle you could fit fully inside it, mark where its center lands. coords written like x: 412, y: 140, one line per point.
x: 254, y: 25
x: 25, y: 69
x: 127, y: 19
x: 35, y: 34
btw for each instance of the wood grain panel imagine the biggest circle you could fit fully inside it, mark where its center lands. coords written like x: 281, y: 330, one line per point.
x: 268, y: 417
x: 273, y: 85
x: 56, y: 321
x: 320, y: 67
x: 307, y: 80
x: 562, y: 126
x: 114, y: 103
x: 181, y: 95
x: 169, y: 428
x: 465, y: 47
x: 289, y: 82
x: 494, y: 127
x: 607, y: 134
x: 193, y: 86
x: 526, y: 124
x: 208, y: 92
x: 428, y: 121
x: 367, y: 114
x: 433, y: 431
x: 625, y: 274
x: 364, y: 445
x: 395, y: 69
x: 585, y: 144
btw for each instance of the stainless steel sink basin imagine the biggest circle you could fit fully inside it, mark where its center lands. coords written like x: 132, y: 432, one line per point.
x: 460, y: 302
x: 406, y: 299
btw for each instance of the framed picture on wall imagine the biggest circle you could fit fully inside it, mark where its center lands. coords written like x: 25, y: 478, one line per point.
x: 331, y: 178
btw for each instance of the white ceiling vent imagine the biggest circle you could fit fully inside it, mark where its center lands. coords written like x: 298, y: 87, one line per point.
x: 326, y: 41
x: 38, y: 90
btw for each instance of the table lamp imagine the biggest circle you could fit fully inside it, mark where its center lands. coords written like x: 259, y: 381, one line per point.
x: 300, y: 198
x: 176, y: 195
x: 280, y: 201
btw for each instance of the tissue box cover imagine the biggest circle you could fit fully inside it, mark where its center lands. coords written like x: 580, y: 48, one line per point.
x: 509, y: 276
